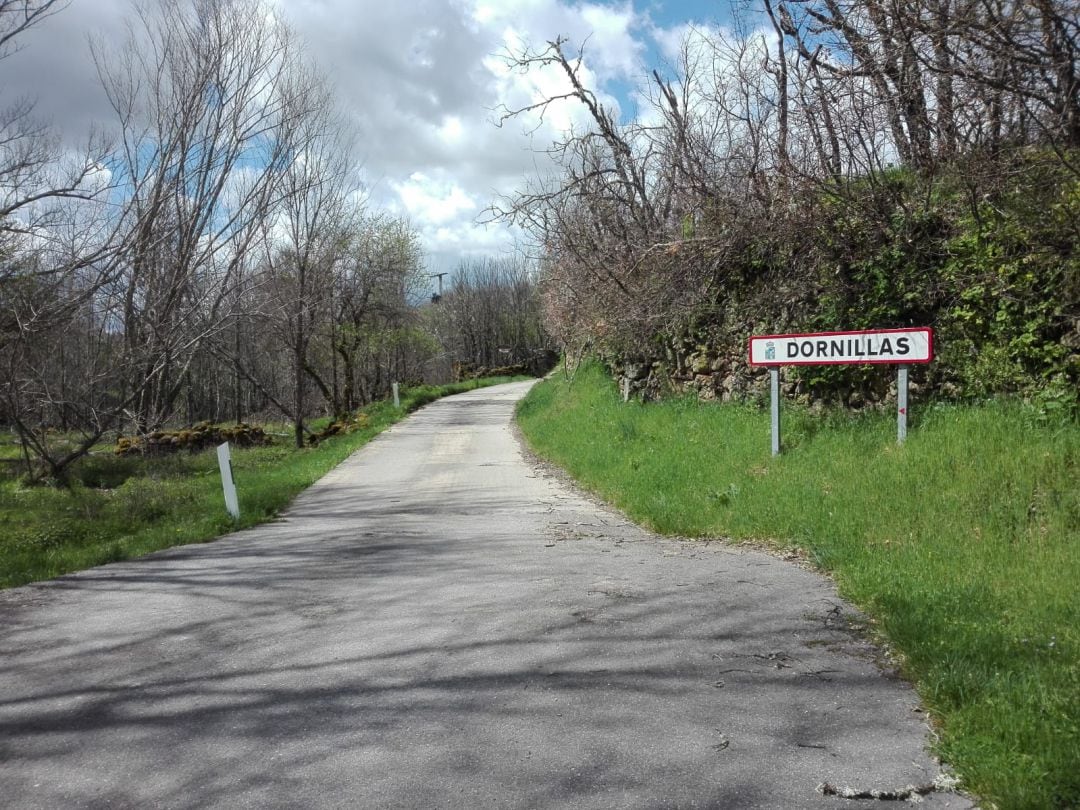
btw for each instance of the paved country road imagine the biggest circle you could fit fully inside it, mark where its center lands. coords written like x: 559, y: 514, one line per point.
x: 436, y: 624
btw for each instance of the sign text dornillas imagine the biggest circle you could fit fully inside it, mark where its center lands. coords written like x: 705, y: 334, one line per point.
x: 896, y: 346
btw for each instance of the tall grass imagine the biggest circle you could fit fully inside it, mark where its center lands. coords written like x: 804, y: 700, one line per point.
x: 118, y: 508
x: 963, y: 545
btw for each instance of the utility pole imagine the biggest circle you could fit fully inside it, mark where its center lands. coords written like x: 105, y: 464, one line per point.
x: 436, y: 297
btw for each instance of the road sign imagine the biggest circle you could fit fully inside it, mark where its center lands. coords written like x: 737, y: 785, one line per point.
x: 900, y: 347
x: 895, y: 346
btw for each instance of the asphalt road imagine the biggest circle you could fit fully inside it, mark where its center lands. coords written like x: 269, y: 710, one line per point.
x: 438, y: 624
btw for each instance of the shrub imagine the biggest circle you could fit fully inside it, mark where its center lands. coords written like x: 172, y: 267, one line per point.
x: 194, y: 438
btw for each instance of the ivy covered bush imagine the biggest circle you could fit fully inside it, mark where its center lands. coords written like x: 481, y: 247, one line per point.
x: 194, y: 438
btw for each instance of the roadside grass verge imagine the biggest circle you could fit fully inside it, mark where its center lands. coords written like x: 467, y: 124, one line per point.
x: 122, y: 507
x: 963, y: 546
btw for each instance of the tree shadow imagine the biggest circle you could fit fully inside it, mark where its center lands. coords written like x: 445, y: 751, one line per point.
x: 363, y: 652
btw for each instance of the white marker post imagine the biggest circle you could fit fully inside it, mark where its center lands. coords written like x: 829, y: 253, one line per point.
x: 232, y: 504
x: 397, y: 399
x: 899, y: 347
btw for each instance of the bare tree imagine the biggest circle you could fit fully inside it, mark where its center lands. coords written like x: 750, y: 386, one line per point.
x: 39, y: 239
x: 57, y: 251
x: 656, y: 239
x: 304, y: 244
x: 209, y: 97
x: 376, y: 288
x: 211, y: 100
x: 612, y: 201
x: 490, y: 316
x: 619, y: 229
x: 16, y: 16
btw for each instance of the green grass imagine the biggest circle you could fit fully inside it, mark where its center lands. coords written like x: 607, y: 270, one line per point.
x: 963, y: 545
x: 118, y: 508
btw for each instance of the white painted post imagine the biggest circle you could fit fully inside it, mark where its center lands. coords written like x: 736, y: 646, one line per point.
x: 397, y: 399
x: 901, y: 403
x: 774, y: 407
x: 625, y: 389
x: 232, y: 503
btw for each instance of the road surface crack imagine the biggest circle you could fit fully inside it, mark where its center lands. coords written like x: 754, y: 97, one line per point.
x: 944, y: 783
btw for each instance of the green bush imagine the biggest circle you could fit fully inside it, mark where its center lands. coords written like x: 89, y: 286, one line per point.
x: 995, y: 273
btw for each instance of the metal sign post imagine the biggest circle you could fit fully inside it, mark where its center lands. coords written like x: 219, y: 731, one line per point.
x: 774, y: 408
x: 232, y: 503
x: 901, y: 403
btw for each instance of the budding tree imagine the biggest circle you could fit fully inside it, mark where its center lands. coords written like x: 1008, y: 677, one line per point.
x: 210, y: 100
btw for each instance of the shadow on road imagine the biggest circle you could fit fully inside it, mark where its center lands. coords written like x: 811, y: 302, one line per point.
x: 445, y: 643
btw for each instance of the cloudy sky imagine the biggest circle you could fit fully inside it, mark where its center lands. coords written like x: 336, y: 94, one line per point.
x: 421, y: 79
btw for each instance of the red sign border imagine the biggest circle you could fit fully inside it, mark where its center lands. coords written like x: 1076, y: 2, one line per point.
x: 929, y: 330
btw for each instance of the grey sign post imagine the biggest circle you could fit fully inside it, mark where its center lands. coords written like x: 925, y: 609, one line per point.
x: 397, y: 398
x: 774, y: 408
x: 901, y: 403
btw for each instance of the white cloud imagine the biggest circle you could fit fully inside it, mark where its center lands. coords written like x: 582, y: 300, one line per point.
x: 97, y: 179
x: 421, y: 82
x: 618, y: 51
x: 432, y: 202
x: 605, y: 31
x: 452, y: 130
x: 426, y: 80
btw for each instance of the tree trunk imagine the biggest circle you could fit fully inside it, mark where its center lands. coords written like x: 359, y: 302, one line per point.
x: 298, y: 372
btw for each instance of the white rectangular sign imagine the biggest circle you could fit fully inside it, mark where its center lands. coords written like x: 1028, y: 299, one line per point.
x: 896, y: 346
